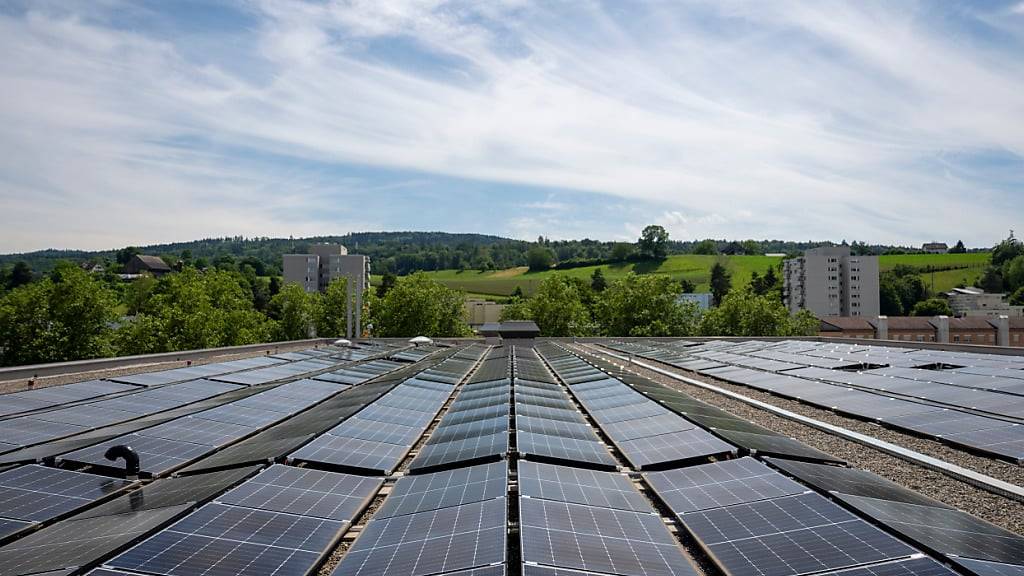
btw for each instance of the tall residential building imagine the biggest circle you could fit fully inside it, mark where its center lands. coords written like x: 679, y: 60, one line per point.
x: 829, y: 281
x: 325, y: 263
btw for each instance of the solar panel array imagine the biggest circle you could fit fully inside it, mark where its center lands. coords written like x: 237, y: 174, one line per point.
x: 282, y: 521
x: 548, y: 425
x: 574, y: 512
x: 646, y: 433
x: 930, y: 524
x: 475, y: 425
x: 169, y: 445
x: 378, y: 437
x: 975, y: 401
x: 441, y: 522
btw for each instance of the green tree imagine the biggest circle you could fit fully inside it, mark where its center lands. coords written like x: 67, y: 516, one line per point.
x: 1013, y: 273
x: 653, y: 242
x: 991, y: 280
x: 295, y: 310
x: 959, y: 248
x: 65, y: 316
x: 419, y: 306
x: 558, y: 308
x: 1017, y: 298
x: 645, y: 305
x: 1007, y: 250
x: 932, y: 307
x: 687, y: 286
x: 516, y: 309
x: 331, y: 315
x: 137, y: 293
x: 721, y: 282
x: 707, y: 247
x: 124, y: 255
x: 621, y: 252
x: 20, y: 275
x: 386, y: 284
x: 889, y: 296
x: 597, y: 281
x: 743, y: 313
x: 517, y: 293
x: 540, y: 259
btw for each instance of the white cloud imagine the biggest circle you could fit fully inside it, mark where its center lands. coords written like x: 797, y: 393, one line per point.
x: 786, y: 120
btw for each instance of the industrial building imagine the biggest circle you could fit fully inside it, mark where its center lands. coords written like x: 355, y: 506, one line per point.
x: 969, y: 301
x: 830, y: 281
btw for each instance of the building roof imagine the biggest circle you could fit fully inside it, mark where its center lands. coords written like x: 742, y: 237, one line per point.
x: 843, y: 323
x: 906, y: 323
x: 967, y: 290
x: 971, y: 323
x: 153, y: 262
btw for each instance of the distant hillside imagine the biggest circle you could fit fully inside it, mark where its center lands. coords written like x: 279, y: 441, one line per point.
x: 405, y: 252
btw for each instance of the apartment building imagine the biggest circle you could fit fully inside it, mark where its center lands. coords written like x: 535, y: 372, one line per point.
x: 830, y: 281
x: 325, y: 263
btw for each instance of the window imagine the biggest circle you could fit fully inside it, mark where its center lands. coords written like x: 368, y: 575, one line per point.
x: 956, y: 338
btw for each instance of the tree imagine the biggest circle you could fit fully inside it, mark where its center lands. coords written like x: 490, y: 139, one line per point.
x: 687, y: 286
x: 275, y: 285
x: 419, y: 306
x: 959, y: 248
x: 516, y: 309
x: 889, y: 296
x: 539, y: 259
x: 1017, y: 298
x: 331, y: 312
x: 991, y: 280
x: 295, y: 310
x: 932, y: 307
x: 518, y: 292
x: 558, y: 308
x: 597, y: 281
x: 66, y: 316
x: 743, y: 313
x: 1007, y: 250
x: 386, y: 284
x: 20, y: 275
x: 708, y: 247
x: 621, y: 252
x: 653, y: 242
x: 125, y: 255
x: 645, y: 305
x: 721, y: 282
x: 1013, y: 273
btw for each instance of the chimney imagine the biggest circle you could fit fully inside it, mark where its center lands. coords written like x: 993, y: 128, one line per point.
x: 1003, y: 330
x: 882, y: 328
x: 942, y: 331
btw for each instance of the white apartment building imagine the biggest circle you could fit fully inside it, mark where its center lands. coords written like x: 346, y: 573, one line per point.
x: 830, y: 281
x: 325, y: 263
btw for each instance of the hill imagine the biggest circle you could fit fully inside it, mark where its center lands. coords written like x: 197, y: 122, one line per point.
x: 947, y: 270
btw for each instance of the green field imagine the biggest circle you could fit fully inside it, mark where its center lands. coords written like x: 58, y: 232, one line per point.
x: 697, y: 269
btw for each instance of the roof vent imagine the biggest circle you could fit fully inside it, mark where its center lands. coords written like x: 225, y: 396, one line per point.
x: 420, y: 340
x: 131, y: 459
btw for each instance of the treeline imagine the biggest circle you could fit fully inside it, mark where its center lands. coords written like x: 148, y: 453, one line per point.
x: 649, y: 305
x: 406, y: 252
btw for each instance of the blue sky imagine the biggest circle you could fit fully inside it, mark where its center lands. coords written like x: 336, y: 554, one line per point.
x: 140, y: 122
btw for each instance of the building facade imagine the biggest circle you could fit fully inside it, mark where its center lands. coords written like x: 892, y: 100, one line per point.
x: 830, y: 281
x: 325, y: 263
x: 999, y: 331
x: 967, y: 302
x: 935, y: 248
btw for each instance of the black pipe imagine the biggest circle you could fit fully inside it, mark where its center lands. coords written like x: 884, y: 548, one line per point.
x: 131, y: 459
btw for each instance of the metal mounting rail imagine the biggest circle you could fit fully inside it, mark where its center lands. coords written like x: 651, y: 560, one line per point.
x: 985, y: 482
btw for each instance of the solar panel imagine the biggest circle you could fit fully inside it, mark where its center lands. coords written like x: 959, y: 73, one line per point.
x: 581, y: 486
x: 25, y: 431
x: 572, y: 449
x: 720, y: 484
x: 356, y: 427
x: 597, y: 539
x: 462, y: 450
x: 673, y: 447
x: 230, y: 540
x: 9, y: 527
x: 983, y: 568
x: 852, y: 481
x: 943, y: 530
x: 790, y: 535
x: 455, y: 487
x: 448, y: 539
x: 554, y: 427
x: 198, y: 431
x: 234, y: 414
x: 446, y: 432
x: 79, y: 542
x: 378, y: 457
x: 914, y: 567
x: 647, y: 426
x: 305, y: 492
x: 38, y: 493
x: 156, y: 455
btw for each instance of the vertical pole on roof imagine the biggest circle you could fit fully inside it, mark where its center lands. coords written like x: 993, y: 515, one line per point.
x: 348, y: 307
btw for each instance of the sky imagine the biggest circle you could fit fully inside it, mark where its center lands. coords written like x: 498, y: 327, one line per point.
x: 138, y: 122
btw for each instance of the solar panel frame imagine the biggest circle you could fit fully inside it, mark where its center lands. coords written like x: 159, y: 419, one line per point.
x: 305, y: 492
x: 455, y: 487
x: 580, y: 486
x: 718, y: 484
